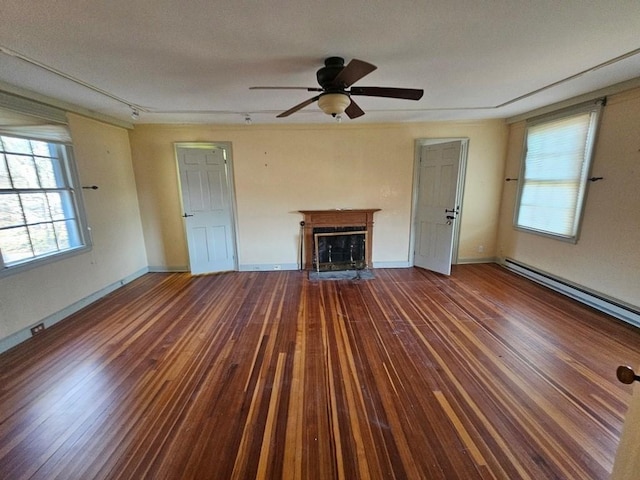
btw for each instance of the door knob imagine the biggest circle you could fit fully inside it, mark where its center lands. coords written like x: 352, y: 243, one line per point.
x: 626, y: 374
x: 186, y: 215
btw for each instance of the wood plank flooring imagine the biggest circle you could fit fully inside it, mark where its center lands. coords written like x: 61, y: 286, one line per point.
x: 411, y: 375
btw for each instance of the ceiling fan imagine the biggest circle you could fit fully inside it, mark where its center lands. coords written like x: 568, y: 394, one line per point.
x: 335, y: 96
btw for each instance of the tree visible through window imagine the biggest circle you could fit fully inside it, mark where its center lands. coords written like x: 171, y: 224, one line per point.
x: 554, y: 172
x: 38, y: 207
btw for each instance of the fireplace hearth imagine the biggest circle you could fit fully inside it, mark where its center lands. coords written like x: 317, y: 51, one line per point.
x: 337, y: 240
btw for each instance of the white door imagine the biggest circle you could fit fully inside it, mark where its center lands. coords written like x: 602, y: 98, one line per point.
x: 437, y: 206
x: 207, y: 204
x: 627, y: 459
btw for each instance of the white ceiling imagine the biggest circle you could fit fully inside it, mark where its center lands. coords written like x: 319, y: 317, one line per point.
x: 193, y: 61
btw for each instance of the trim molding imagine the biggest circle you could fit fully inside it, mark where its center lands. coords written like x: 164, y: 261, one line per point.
x: 396, y: 264
x: 266, y: 267
x: 165, y: 269
x: 25, y: 334
x: 603, y: 92
x: 462, y: 261
x: 610, y: 306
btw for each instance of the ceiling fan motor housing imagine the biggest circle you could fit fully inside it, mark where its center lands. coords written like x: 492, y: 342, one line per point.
x: 327, y: 74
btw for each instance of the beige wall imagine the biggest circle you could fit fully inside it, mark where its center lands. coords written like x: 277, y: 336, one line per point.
x: 606, y: 258
x: 282, y: 169
x: 103, y: 156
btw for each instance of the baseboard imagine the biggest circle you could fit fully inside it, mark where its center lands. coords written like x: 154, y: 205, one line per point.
x: 599, y: 301
x: 247, y: 267
x: 267, y: 267
x: 165, y: 269
x: 24, y: 334
x: 397, y: 264
x: 467, y: 261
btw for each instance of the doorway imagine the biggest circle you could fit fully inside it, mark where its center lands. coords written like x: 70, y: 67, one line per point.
x: 206, y: 187
x: 439, y: 173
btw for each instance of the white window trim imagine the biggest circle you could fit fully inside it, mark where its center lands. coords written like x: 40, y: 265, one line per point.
x: 591, y: 106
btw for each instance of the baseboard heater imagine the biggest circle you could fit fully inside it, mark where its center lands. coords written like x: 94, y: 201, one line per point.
x: 598, y: 301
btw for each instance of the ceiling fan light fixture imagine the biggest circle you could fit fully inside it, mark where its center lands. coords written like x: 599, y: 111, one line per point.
x: 334, y: 103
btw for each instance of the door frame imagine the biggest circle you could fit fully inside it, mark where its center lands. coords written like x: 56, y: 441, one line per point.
x: 464, y: 149
x: 232, y: 191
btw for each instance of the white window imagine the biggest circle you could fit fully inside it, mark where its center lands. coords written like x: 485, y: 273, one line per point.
x: 555, y: 170
x: 41, y: 216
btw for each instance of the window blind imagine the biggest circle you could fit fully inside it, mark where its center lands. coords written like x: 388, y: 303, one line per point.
x: 554, y: 175
x: 27, y: 118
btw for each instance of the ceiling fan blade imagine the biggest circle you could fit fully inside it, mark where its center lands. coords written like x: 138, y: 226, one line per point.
x: 308, y: 89
x: 300, y: 106
x: 353, y: 110
x: 354, y: 71
x: 389, y: 92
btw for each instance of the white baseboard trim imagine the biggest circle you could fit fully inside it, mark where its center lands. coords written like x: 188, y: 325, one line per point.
x: 396, y: 264
x: 466, y: 261
x: 267, y: 267
x: 165, y: 269
x: 24, y: 334
x: 599, y: 301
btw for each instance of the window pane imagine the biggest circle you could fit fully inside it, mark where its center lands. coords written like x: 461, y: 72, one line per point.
x: 60, y: 205
x: 23, y: 171
x: 42, y: 149
x: 47, y: 169
x: 5, y: 181
x: 43, y: 238
x: 67, y: 234
x: 10, y: 212
x: 35, y: 207
x: 16, y: 145
x: 15, y: 245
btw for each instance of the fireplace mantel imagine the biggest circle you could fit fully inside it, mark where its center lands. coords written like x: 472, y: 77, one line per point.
x: 336, y: 218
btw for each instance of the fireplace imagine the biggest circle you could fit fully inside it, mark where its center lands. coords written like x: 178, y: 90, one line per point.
x: 339, y: 248
x: 337, y: 239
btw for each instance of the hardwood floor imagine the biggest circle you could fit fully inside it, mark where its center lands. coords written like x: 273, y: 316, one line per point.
x: 482, y: 375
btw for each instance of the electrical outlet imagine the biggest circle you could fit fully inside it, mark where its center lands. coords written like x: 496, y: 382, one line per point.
x: 480, y: 248
x: 37, y: 329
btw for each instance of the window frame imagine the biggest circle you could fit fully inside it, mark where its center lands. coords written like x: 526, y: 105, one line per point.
x: 68, y: 169
x: 593, y: 108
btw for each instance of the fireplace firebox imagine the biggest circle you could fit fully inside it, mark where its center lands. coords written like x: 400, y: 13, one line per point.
x: 337, y: 239
x: 339, y: 248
